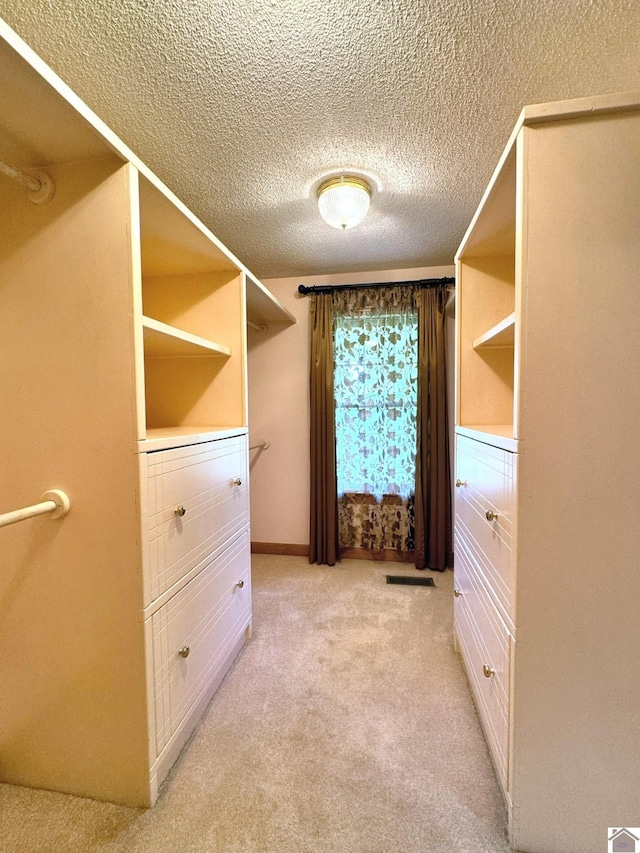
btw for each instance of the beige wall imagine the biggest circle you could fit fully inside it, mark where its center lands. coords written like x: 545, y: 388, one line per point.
x: 279, y: 408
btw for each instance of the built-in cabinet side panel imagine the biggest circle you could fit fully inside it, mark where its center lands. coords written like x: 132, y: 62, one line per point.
x: 72, y: 706
x: 521, y: 184
x: 576, y: 755
x: 243, y: 350
x: 78, y: 708
x: 136, y: 289
x: 573, y: 755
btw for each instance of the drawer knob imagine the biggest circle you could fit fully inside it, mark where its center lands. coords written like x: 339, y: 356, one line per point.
x: 180, y: 511
x: 460, y: 483
x: 240, y: 584
x: 491, y: 515
x: 457, y: 592
x: 237, y: 481
x: 184, y: 652
x: 487, y: 671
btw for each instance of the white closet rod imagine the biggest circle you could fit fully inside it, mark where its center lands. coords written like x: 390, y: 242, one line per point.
x: 263, y: 445
x: 259, y: 327
x: 54, y: 501
x: 27, y: 181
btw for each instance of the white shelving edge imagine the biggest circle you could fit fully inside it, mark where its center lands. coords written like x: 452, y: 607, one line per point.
x: 164, y: 341
x: 166, y: 438
x: 500, y: 335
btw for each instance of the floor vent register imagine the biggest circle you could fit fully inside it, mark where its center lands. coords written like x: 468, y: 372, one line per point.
x: 410, y: 579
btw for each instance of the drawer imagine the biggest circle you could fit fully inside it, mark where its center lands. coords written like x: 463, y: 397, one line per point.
x: 206, y: 617
x: 484, y: 513
x: 485, y: 646
x: 197, y: 498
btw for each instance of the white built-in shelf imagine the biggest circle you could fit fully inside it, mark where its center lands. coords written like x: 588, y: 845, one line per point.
x: 501, y: 335
x: 263, y: 307
x: 162, y: 341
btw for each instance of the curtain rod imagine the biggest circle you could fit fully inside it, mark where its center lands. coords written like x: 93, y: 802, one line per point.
x: 330, y: 288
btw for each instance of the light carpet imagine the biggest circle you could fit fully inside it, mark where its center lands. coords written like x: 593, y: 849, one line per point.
x: 345, y: 726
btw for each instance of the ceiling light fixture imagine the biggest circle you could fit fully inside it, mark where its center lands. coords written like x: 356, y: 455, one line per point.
x: 343, y: 201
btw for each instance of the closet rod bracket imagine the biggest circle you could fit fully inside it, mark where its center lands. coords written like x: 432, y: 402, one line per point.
x: 55, y: 503
x: 60, y: 499
x: 39, y: 186
x: 45, y: 191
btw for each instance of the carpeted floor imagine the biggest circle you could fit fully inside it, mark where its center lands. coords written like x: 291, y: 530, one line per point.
x: 345, y: 726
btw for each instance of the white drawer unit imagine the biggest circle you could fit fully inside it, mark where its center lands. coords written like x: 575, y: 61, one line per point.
x: 197, y: 582
x: 194, y: 632
x: 484, y: 510
x: 485, y: 644
x: 197, y: 499
x: 484, y: 584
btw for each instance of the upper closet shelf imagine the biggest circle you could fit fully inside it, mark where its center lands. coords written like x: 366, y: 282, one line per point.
x: 45, y: 122
x: 161, y: 340
x: 501, y: 335
x: 263, y: 307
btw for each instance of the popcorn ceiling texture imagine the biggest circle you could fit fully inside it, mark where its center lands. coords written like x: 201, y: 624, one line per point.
x: 242, y: 107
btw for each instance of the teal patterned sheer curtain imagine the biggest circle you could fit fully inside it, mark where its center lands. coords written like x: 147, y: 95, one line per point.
x: 375, y: 389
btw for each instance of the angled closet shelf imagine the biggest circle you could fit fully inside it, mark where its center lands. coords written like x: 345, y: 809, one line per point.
x: 263, y: 309
x: 500, y: 335
x: 126, y: 373
x: 164, y: 341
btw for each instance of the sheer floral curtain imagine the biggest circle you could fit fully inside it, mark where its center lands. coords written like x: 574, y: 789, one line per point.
x: 375, y: 390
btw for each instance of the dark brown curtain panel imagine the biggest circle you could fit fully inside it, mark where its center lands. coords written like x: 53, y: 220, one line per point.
x: 433, y: 534
x: 323, y: 531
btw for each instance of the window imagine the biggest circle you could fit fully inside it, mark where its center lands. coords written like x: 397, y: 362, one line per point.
x: 379, y: 435
x: 375, y: 388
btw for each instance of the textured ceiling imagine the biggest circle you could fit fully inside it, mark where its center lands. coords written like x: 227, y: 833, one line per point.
x: 242, y: 107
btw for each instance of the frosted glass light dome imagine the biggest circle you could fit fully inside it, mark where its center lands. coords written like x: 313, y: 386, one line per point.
x: 343, y: 201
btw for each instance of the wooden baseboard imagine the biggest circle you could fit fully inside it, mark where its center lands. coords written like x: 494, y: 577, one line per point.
x: 386, y: 555
x: 280, y: 548
x: 286, y: 550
